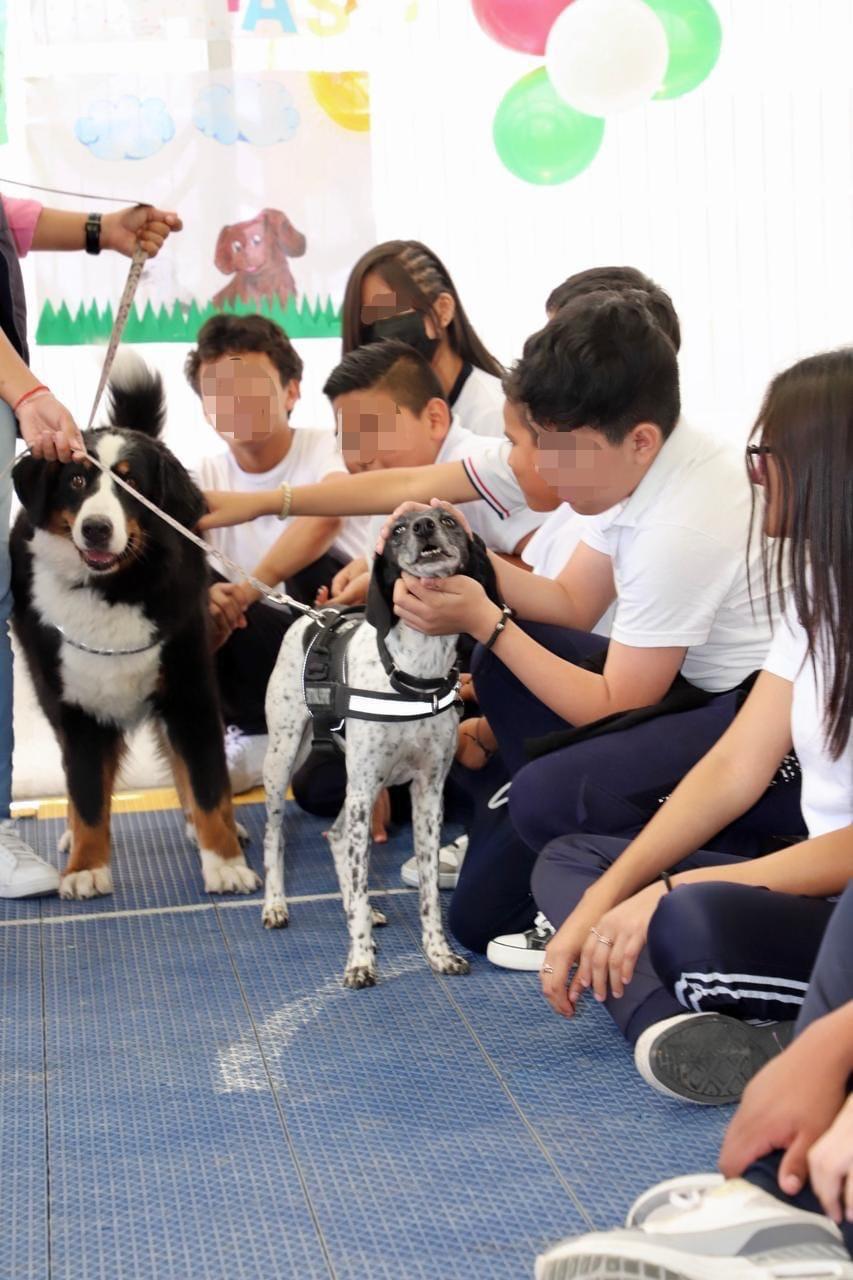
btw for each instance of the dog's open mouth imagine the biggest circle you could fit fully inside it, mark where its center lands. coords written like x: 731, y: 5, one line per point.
x: 432, y: 559
x: 99, y: 561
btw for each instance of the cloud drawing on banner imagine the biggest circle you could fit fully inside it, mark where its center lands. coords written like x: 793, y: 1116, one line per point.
x: 127, y: 129
x: 260, y: 112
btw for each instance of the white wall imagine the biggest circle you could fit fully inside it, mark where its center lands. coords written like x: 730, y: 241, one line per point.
x: 738, y: 198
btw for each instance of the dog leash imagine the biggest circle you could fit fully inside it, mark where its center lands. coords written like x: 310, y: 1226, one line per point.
x: 275, y: 599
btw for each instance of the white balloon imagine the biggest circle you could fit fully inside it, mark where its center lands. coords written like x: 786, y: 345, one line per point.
x: 606, y: 56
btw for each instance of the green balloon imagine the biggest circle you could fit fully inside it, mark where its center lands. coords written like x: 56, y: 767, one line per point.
x: 694, y: 33
x: 539, y: 137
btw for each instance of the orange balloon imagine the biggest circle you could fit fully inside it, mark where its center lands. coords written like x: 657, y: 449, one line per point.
x: 344, y: 96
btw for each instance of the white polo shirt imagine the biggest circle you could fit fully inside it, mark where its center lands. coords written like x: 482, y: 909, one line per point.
x: 679, y: 552
x: 501, y: 515
x: 551, y: 547
x: 477, y: 400
x: 312, y: 456
x: 827, y: 786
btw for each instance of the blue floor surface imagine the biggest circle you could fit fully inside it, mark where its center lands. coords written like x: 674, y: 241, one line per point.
x: 185, y: 1094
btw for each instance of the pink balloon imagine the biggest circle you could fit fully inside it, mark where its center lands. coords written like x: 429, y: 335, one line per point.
x: 519, y: 24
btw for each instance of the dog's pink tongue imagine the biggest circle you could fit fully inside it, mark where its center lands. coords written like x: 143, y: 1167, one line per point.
x: 99, y: 557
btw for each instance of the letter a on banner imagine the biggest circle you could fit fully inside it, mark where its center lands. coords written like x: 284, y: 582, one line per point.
x: 269, y: 11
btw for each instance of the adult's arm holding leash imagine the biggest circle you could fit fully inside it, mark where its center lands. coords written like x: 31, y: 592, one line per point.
x: 46, y: 425
x: 371, y: 493
x: 60, y: 230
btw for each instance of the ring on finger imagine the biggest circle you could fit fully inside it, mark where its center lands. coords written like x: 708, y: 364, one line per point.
x: 608, y: 942
x: 547, y: 968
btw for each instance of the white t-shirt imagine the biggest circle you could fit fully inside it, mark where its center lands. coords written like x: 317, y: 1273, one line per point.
x: 551, y: 547
x: 827, y: 786
x: 479, y: 402
x: 679, y: 552
x: 312, y: 456
x: 501, y: 516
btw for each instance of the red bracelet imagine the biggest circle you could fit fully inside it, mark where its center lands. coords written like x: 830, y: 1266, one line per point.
x: 28, y: 395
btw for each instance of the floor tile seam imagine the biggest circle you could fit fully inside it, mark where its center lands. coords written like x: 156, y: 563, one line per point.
x: 446, y: 984
x: 187, y: 908
x: 282, y: 1119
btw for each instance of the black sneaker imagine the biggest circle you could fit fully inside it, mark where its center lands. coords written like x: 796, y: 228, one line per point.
x: 707, y: 1057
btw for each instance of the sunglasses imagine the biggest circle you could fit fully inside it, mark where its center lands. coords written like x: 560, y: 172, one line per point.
x: 756, y: 464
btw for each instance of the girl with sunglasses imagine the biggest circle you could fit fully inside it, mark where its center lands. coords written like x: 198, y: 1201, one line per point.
x: 401, y: 289
x: 657, y: 929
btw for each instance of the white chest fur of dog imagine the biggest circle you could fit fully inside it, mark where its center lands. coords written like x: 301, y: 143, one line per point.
x: 378, y: 754
x: 118, y: 691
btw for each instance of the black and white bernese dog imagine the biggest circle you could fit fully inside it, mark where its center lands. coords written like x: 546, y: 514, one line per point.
x: 111, y: 611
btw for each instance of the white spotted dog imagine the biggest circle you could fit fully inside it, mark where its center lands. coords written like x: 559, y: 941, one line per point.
x: 396, y: 694
x: 111, y: 609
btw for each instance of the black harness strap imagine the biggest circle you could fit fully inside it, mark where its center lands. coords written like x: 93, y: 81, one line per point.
x: 332, y: 701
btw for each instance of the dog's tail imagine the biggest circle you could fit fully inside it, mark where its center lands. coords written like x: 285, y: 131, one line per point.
x: 136, y: 398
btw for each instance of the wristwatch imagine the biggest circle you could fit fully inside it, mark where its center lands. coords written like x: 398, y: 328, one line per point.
x: 93, y: 233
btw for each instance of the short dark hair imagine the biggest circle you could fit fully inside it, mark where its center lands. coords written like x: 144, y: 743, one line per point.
x: 602, y: 362
x: 390, y: 366
x: 225, y: 334
x: 618, y: 280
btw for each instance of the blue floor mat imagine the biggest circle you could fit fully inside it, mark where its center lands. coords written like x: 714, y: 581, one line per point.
x: 188, y: 1095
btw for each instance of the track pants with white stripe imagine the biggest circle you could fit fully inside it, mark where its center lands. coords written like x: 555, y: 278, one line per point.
x: 728, y: 948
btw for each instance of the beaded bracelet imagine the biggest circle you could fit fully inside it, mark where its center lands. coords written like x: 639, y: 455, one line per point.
x: 286, y: 500
x: 506, y: 616
x: 41, y: 389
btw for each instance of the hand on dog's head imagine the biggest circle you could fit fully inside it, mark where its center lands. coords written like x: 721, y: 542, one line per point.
x: 428, y: 543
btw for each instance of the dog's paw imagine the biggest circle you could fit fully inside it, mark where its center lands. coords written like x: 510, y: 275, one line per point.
x: 275, y: 914
x: 448, y: 962
x: 227, y: 875
x: 63, y: 844
x: 358, y: 976
x: 86, y: 884
x: 379, y: 917
x: 242, y: 834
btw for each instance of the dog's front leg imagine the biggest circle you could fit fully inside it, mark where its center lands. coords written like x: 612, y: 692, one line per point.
x: 427, y: 814
x: 361, y: 961
x: 91, y: 753
x: 278, y: 764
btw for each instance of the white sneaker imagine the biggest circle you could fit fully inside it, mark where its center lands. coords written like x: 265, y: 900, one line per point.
x: 522, y: 950
x: 244, y: 755
x: 23, y: 874
x: 730, y: 1232
x: 450, y: 859
x: 707, y: 1057
x: 675, y: 1192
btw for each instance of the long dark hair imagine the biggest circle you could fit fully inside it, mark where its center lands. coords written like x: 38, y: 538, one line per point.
x: 417, y: 276
x: 806, y: 422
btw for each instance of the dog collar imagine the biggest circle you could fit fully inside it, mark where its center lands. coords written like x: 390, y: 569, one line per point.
x: 104, y: 653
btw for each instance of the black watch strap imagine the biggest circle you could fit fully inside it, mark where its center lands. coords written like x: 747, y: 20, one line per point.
x: 93, y: 233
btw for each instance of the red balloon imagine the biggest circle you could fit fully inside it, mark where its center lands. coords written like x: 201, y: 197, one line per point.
x: 519, y: 24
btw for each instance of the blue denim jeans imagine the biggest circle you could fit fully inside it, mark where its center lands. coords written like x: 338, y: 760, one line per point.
x: 7, y: 454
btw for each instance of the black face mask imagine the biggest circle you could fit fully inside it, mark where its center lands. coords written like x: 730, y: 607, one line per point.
x: 408, y: 327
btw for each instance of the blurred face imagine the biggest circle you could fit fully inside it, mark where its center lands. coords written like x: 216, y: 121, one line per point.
x: 591, y: 474
x: 375, y: 433
x: 523, y: 461
x: 385, y: 315
x: 244, y: 399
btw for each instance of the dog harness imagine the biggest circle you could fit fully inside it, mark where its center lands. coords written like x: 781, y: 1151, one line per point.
x: 331, y: 700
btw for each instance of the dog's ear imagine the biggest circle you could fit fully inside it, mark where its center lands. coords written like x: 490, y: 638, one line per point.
x: 223, y: 259
x: 480, y: 568
x: 178, y: 495
x: 35, y: 483
x: 380, y: 594
x: 289, y: 242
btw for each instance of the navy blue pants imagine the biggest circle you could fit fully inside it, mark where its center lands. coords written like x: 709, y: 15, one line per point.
x: 611, y: 785
x: 831, y: 987
x: 729, y: 948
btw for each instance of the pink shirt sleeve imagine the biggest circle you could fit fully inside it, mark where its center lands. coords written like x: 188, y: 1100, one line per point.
x: 23, y: 216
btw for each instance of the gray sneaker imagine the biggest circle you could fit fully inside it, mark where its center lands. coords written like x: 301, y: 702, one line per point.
x: 734, y: 1231
x: 450, y: 859
x: 23, y: 874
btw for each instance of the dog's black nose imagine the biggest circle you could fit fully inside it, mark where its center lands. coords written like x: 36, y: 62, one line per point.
x: 424, y: 526
x: 97, y: 531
